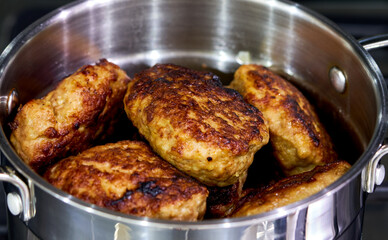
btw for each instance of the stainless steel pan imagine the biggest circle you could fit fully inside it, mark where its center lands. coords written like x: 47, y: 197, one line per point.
x: 217, y: 35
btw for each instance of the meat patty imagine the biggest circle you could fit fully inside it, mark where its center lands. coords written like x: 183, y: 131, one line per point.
x: 299, y: 140
x: 80, y: 110
x: 193, y: 122
x: 129, y: 177
x: 290, y: 189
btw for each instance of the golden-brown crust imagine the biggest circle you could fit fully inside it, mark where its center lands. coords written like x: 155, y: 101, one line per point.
x: 196, y: 124
x: 299, y: 140
x: 128, y: 177
x: 290, y: 189
x: 81, y: 109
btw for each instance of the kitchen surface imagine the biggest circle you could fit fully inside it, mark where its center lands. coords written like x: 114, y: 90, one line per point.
x: 358, y: 18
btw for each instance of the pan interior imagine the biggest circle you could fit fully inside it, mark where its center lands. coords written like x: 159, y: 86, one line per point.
x: 206, y: 35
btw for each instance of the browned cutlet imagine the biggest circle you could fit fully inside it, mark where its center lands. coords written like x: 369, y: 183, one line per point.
x: 193, y: 122
x: 81, y: 109
x: 129, y: 177
x: 299, y: 140
x: 290, y: 189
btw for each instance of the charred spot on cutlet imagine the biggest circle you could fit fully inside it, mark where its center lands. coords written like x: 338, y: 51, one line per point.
x: 126, y: 196
x: 76, y: 125
x: 150, y: 188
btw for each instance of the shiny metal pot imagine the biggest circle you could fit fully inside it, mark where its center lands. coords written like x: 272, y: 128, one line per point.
x: 217, y: 35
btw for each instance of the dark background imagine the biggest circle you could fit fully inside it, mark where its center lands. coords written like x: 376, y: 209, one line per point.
x: 360, y: 18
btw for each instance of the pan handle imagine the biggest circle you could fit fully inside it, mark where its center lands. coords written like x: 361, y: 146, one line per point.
x: 374, y: 42
x: 373, y: 174
x: 18, y: 203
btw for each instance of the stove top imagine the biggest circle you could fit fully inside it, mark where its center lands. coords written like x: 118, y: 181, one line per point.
x: 358, y: 18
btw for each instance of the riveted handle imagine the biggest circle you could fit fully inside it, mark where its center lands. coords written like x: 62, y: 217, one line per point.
x: 373, y: 174
x: 22, y: 202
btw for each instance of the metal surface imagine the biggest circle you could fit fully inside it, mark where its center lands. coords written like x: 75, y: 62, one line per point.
x: 334, y: 216
x: 11, y: 102
x: 14, y: 203
x: 372, y: 173
x: 338, y: 79
x: 27, y: 203
x: 375, y: 42
x: 199, y: 34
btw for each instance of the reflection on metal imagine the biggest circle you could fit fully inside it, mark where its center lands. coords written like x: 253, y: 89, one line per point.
x: 338, y: 79
x: 320, y: 219
x: 375, y: 42
x: 10, y: 102
x: 265, y: 230
x: 249, y: 233
x: 31, y: 188
x: 14, y: 203
x: 243, y: 57
x: 373, y: 174
x: 28, y: 209
x: 380, y: 174
x: 122, y: 232
x: 292, y: 226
